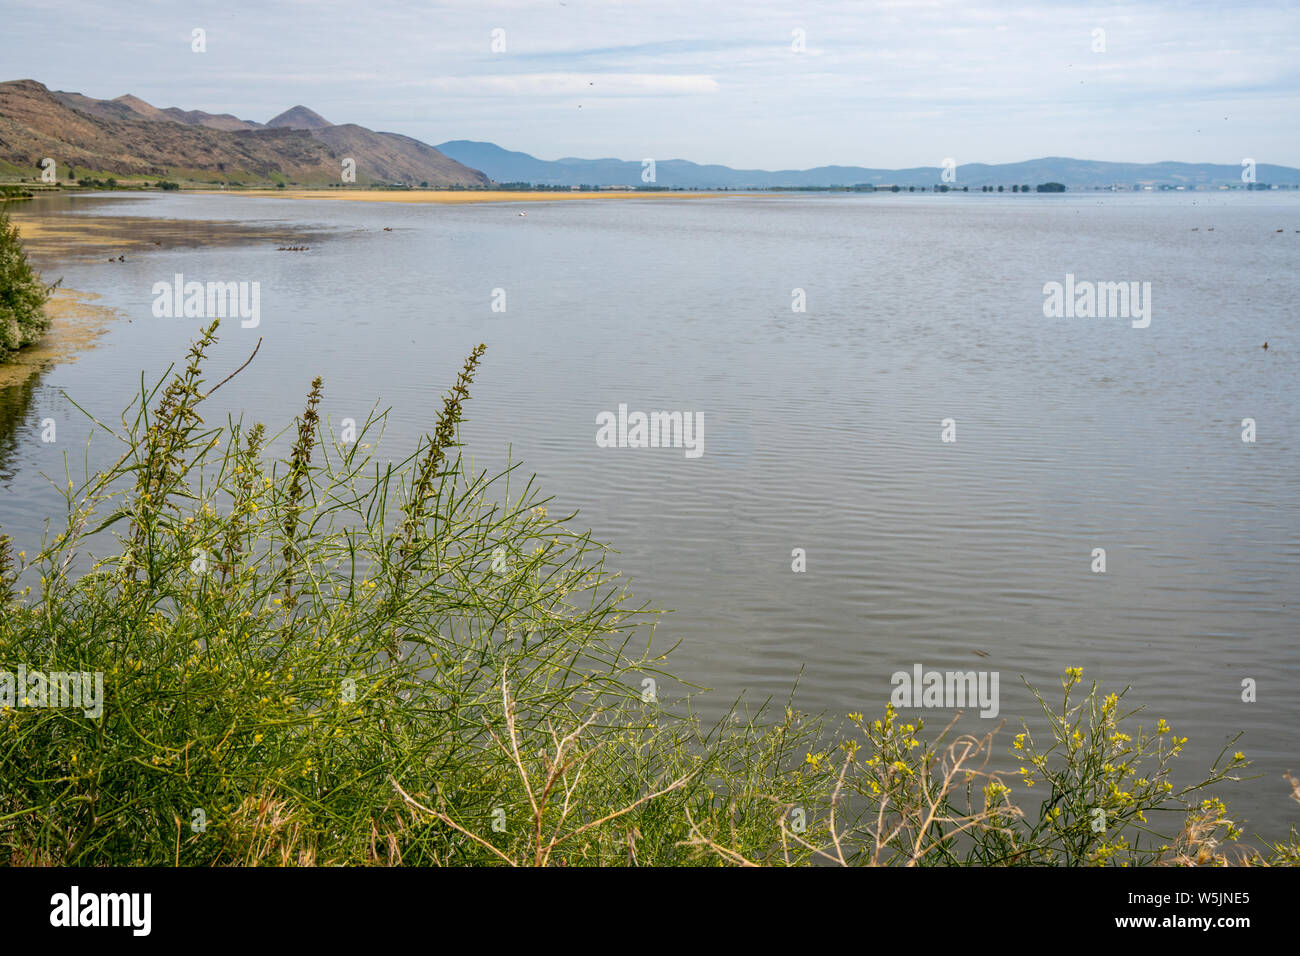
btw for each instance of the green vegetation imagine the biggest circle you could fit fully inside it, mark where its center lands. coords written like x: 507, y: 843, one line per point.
x: 333, y: 659
x: 22, y: 294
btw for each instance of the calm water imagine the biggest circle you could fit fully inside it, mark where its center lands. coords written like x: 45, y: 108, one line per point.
x: 822, y: 429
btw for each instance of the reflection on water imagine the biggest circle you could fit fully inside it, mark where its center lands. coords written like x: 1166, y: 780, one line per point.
x: 15, y: 406
x: 822, y: 427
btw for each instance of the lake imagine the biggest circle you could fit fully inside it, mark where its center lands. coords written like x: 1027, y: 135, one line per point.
x: 823, y: 429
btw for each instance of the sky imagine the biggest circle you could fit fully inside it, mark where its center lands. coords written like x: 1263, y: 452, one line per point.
x: 755, y: 85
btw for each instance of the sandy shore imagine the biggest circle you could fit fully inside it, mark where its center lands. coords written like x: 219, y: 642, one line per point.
x: 455, y: 197
x: 50, y: 239
x: 75, y: 322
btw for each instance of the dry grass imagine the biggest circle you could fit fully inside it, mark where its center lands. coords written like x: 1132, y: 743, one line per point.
x: 552, y: 790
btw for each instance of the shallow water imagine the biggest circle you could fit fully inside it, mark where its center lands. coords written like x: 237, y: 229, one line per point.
x: 822, y: 429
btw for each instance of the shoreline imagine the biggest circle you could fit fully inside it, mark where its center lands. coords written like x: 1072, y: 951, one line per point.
x: 448, y: 197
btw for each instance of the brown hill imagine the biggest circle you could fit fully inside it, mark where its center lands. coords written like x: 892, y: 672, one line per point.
x: 394, y: 158
x: 103, y: 109
x: 129, y: 137
x: 298, y: 117
x: 125, y: 107
x: 212, y: 121
x: 141, y: 108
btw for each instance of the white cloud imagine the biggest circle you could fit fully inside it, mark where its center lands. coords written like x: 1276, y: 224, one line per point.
x: 573, y: 84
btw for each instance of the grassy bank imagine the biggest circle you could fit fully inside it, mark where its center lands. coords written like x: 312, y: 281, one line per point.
x: 329, y: 659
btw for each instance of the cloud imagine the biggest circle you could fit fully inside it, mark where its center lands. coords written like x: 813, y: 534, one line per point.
x: 573, y: 84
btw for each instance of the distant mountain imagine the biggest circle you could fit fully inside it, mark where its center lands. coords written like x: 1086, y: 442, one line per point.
x: 298, y: 117
x: 505, y: 165
x: 512, y: 167
x: 128, y: 137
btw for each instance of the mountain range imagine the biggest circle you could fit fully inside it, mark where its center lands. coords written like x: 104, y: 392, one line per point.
x: 506, y: 166
x: 131, y: 138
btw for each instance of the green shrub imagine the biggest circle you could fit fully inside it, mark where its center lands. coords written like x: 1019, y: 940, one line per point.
x: 22, y: 294
x: 302, y: 650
